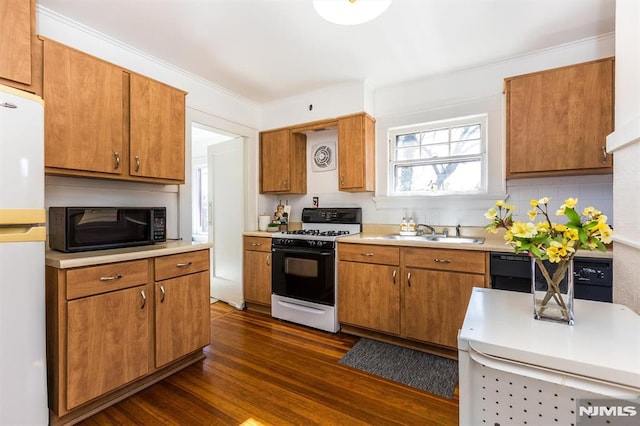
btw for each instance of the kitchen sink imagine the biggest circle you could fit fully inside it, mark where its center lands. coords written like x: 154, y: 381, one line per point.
x: 397, y: 237
x: 455, y: 240
x: 433, y: 239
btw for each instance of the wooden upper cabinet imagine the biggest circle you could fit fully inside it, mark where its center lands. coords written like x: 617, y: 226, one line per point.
x: 20, y: 49
x: 283, y: 163
x: 356, y: 153
x: 157, y: 114
x: 558, y: 120
x: 84, y: 111
x: 104, y: 121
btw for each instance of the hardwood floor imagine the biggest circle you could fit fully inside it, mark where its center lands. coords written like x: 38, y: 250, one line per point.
x: 260, y: 371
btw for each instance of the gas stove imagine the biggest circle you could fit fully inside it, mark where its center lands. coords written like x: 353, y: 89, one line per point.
x: 322, y: 225
x: 304, y: 271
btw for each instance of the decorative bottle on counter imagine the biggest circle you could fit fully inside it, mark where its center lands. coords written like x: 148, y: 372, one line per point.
x: 404, y: 226
x: 411, y: 227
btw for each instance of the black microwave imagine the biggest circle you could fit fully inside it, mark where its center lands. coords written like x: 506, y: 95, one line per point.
x: 74, y: 229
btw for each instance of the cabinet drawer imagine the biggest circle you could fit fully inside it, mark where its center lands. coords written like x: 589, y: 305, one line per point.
x: 383, y: 255
x: 445, y: 260
x: 84, y: 282
x: 257, y: 243
x: 177, y: 265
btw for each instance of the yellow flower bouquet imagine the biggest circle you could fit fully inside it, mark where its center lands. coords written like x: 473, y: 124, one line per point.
x: 549, y: 242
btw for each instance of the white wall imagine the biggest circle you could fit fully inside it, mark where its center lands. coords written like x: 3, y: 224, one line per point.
x: 625, y: 144
x: 473, y: 91
x: 343, y: 99
x: 205, y: 102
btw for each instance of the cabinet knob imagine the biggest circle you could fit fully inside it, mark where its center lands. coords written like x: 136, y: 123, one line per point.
x: 116, y: 160
x: 256, y: 244
x: 268, y: 260
x: 441, y: 260
x: 393, y: 276
x: 162, y: 294
x: 604, y: 154
x: 367, y: 254
x: 137, y: 163
x: 409, y: 279
x: 144, y: 299
x: 183, y: 265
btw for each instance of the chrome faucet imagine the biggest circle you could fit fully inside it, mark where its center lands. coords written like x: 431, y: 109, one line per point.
x: 430, y: 228
x: 458, y: 234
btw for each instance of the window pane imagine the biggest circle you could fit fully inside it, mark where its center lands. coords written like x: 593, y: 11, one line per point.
x: 465, y: 132
x: 465, y: 147
x: 407, y: 153
x: 435, y: 151
x: 434, y: 178
x: 435, y: 136
x: 410, y: 139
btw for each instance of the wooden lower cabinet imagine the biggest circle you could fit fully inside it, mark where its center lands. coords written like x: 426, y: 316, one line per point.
x: 369, y: 296
x: 107, y: 336
x: 413, y: 293
x: 257, y: 270
x: 107, y: 343
x: 434, y: 304
x: 182, y: 316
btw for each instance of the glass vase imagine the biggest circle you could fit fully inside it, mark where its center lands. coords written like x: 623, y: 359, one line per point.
x: 552, y: 288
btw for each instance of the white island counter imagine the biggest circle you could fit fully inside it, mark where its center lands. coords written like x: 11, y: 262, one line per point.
x: 515, y: 369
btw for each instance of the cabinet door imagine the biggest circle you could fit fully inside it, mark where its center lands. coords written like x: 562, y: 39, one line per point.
x: 157, y: 123
x: 558, y: 120
x: 369, y: 296
x: 434, y: 304
x: 283, y: 164
x: 84, y: 111
x: 107, y: 343
x: 182, y: 316
x: 257, y: 277
x: 356, y: 153
x: 15, y: 40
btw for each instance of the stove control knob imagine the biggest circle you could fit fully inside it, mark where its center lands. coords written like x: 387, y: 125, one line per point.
x: 312, y: 243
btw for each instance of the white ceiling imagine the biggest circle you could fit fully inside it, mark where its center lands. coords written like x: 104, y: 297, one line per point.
x: 266, y: 50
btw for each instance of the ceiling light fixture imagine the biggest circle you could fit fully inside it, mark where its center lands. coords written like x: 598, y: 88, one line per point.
x: 350, y: 12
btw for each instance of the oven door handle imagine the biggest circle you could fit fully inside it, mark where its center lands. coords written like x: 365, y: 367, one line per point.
x: 307, y: 251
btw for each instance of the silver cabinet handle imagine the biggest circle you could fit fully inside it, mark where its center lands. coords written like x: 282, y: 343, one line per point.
x: 256, y: 244
x: 368, y: 254
x: 441, y: 260
x: 394, y: 276
x: 116, y: 160
x: 137, y: 163
x: 341, y: 180
x: 268, y: 260
x: 604, y: 154
x: 112, y: 277
x: 409, y: 279
x: 162, y: 294
x: 183, y: 265
x: 144, y: 299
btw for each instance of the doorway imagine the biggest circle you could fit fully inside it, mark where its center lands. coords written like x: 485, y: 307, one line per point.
x: 218, y: 193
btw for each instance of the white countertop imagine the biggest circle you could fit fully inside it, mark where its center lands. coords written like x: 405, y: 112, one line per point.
x: 603, y: 344
x: 97, y: 257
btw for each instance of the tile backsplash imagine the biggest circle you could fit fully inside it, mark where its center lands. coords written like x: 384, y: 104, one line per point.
x: 592, y: 190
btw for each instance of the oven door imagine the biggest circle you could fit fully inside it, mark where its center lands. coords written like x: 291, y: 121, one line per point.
x: 305, y: 274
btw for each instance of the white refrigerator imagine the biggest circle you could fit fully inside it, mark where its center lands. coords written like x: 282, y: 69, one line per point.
x: 23, y: 382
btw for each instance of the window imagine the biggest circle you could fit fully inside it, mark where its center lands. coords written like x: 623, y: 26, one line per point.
x: 438, y: 158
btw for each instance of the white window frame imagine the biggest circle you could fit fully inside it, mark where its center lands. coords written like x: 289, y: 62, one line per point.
x: 481, y: 119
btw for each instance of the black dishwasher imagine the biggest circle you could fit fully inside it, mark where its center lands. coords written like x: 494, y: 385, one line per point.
x: 592, y: 277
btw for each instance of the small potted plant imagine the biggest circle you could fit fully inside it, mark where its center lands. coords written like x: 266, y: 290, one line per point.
x: 273, y: 227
